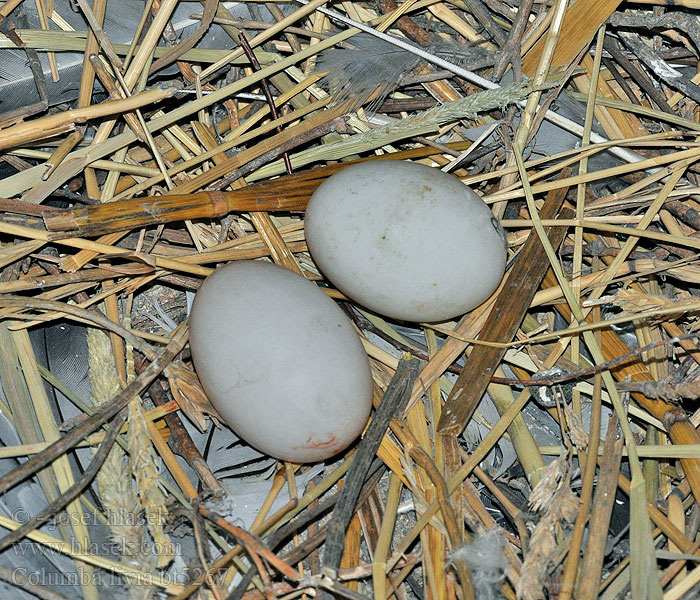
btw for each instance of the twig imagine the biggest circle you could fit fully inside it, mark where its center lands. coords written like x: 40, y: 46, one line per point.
x: 640, y: 78
x: 336, y: 124
x: 510, y: 51
x: 190, y: 41
x: 392, y: 403
x: 35, y: 66
x: 266, y: 90
x: 682, y: 21
x: 197, y: 526
x: 670, y: 76
x: 251, y: 543
x: 477, y: 8
x: 183, y: 444
x: 407, y: 25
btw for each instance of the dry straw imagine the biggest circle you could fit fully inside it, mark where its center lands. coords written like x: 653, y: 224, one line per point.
x: 165, y: 187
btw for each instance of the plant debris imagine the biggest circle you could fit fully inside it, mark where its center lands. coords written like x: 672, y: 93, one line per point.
x: 544, y: 445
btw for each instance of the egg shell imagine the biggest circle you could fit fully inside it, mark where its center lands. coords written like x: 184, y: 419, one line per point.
x: 280, y: 361
x: 405, y: 240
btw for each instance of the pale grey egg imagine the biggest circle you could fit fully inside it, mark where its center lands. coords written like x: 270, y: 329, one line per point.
x: 280, y: 361
x: 405, y: 240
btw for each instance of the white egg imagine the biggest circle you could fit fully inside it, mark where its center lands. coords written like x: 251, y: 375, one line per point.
x: 280, y: 361
x: 405, y: 240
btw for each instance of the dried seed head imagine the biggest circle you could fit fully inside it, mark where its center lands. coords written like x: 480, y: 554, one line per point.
x: 577, y: 434
x: 544, y: 491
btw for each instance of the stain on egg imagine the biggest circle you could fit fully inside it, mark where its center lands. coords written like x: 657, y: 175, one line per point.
x: 405, y: 240
x: 280, y: 361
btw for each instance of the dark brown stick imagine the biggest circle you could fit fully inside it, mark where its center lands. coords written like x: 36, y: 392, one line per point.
x: 266, y: 90
x: 115, y: 93
x: 49, y: 281
x: 510, y: 51
x: 251, y: 543
x: 407, y: 25
x: 522, y: 283
x: 608, y: 365
x: 639, y: 77
x: 392, y: 403
x: 190, y: 41
x: 335, y: 124
x: 482, y: 14
x: 670, y: 76
x: 183, y: 444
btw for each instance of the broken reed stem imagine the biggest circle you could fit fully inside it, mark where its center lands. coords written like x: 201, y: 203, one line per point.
x: 71, y: 141
x: 290, y: 193
x: 65, y: 121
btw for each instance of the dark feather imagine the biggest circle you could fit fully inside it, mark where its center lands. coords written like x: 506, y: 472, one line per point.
x: 378, y: 67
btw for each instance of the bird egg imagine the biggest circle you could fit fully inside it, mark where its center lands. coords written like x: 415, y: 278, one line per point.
x: 405, y: 240
x: 280, y: 361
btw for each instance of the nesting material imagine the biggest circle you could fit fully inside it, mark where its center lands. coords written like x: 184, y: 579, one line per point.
x: 236, y: 155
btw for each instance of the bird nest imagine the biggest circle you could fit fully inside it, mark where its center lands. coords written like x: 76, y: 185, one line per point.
x: 543, y: 445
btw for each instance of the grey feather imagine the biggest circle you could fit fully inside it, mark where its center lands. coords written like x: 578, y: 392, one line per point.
x: 374, y: 65
x: 246, y: 496
x: 17, y: 86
